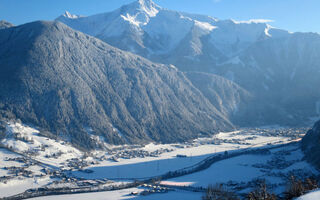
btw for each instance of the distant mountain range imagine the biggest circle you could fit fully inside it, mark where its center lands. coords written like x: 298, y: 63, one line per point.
x: 193, y: 75
x: 280, y: 69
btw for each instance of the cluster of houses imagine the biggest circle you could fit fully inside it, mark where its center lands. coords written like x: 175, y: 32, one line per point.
x: 292, y: 133
x: 19, y: 171
x: 53, y: 173
x: 137, y: 153
x: 77, y: 163
x: 23, y: 138
x: 26, y: 161
x: 151, y: 189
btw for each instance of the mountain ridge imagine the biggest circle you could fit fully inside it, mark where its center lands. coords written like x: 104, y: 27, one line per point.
x: 235, y: 50
x: 66, y: 82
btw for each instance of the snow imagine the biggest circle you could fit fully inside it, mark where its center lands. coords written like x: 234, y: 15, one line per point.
x: 173, y: 67
x: 195, y: 152
x: 71, y: 16
x: 246, y: 168
x: 115, y: 131
x: 253, y: 21
x: 125, y: 194
x: 232, y: 37
x: 314, y: 195
x: 20, y: 185
x: 168, y: 28
x: 147, y: 166
x: 131, y: 19
x: 149, y: 7
x: 266, y: 31
x: 140, y: 12
x: 4, y: 155
x: 204, y: 25
x: 235, y: 169
x: 24, y: 139
x: 172, y: 183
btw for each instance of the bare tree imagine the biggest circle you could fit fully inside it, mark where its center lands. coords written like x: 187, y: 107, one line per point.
x: 218, y: 192
x: 261, y: 193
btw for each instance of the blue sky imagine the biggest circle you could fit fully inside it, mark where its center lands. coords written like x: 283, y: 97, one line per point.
x: 292, y: 15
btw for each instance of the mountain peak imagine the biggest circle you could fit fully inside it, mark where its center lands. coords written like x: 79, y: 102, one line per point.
x: 148, y: 3
x: 139, y: 12
x: 147, y: 6
x: 4, y: 24
x: 67, y: 14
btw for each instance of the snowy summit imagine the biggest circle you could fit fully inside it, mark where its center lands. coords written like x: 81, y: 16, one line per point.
x: 67, y: 14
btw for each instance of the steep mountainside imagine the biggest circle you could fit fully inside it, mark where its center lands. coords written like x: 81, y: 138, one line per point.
x: 229, y: 98
x: 311, y: 145
x: 283, y: 72
x: 277, y: 67
x: 77, y: 86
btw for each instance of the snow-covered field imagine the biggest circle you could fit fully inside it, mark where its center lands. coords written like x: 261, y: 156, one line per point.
x: 123, y: 164
x: 27, y: 140
x: 314, y: 195
x: 275, y: 168
x: 195, y: 152
x: 240, y: 171
x: 17, y: 184
x: 125, y: 194
x: 20, y: 185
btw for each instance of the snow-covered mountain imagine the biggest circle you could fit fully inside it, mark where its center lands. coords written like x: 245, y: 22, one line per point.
x: 279, y: 68
x: 78, y: 87
x: 149, y: 30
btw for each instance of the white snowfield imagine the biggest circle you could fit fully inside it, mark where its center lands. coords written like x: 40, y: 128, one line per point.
x: 27, y: 140
x: 144, y: 17
x: 274, y: 168
x: 313, y: 195
x: 194, y: 152
x: 18, y: 184
x: 125, y: 194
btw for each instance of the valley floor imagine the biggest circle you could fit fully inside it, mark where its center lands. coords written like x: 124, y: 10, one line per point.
x: 235, y: 163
